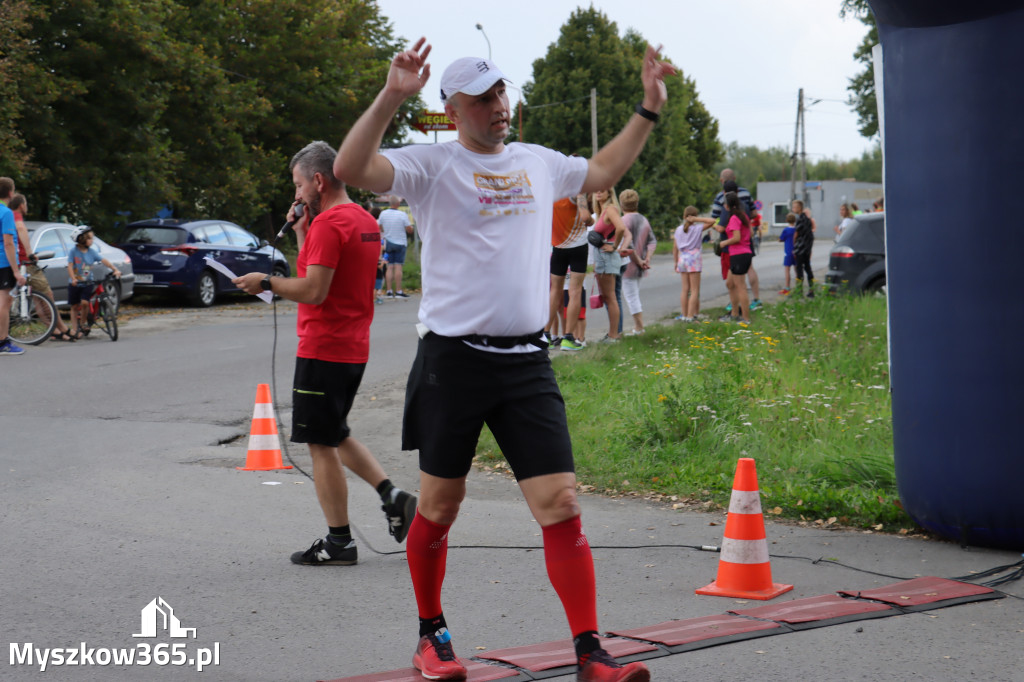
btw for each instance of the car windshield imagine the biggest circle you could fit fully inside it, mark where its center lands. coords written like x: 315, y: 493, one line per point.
x: 147, y: 234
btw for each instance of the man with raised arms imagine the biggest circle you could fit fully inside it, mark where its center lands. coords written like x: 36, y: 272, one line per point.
x: 484, y: 212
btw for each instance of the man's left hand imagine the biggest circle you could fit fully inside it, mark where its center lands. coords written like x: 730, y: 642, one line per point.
x: 250, y: 283
x: 653, y: 78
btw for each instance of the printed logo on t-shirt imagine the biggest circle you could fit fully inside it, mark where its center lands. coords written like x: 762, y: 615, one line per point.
x: 496, y: 191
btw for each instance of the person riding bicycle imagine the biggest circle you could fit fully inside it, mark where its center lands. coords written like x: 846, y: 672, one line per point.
x: 80, y: 283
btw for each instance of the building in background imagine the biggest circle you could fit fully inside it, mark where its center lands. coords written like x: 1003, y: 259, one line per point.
x: 823, y: 198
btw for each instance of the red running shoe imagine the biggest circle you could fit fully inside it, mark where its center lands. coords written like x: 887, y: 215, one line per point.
x: 599, y: 666
x: 435, y: 658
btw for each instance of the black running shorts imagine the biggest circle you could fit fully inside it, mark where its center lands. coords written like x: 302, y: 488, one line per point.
x: 7, y: 279
x: 322, y: 395
x: 454, y: 390
x: 739, y: 263
x: 574, y: 259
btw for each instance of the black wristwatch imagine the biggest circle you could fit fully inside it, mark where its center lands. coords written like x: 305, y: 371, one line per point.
x: 265, y: 283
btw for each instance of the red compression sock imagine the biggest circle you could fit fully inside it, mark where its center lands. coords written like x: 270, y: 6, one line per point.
x: 571, y: 571
x: 426, y: 549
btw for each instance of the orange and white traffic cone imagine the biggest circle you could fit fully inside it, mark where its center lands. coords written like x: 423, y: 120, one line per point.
x: 744, y: 570
x: 264, y: 444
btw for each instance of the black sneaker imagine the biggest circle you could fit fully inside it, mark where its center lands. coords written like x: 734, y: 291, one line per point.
x: 400, y: 513
x: 402, y: 294
x: 324, y: 553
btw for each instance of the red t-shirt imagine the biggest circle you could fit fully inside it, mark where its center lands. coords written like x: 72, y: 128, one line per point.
x: 19, y: 218
x: 346, y: 239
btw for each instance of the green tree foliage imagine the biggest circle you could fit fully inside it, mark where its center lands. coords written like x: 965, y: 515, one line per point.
x: 124, y: 106
x: 862, y: 86
x: 15, y: 69
x: 675, y: 167
x: 754, y: 165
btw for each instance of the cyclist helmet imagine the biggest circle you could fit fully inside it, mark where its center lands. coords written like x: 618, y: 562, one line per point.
x: 79, y: 232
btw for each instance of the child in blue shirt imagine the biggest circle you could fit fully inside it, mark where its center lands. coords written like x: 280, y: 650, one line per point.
x: 81, y: 258
x: 787, y: 238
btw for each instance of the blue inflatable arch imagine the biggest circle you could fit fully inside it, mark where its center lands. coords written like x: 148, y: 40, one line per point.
x: 953, y: 111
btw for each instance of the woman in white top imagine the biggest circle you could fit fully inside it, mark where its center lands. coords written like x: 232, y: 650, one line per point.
x: 845, y: 220
x: 607, y: 261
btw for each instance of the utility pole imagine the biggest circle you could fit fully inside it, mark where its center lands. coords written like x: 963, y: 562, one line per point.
x: 593, y: 122
x: 803, y: 149
x: 796, y: 138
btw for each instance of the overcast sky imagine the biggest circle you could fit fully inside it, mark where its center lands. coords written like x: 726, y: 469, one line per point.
x: 748, y: 58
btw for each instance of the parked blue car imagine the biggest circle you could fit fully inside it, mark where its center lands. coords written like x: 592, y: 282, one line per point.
x: 168, y: 255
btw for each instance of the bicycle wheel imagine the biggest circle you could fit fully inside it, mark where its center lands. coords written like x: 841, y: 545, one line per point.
x: 109, y: 314
x: 36, y: 324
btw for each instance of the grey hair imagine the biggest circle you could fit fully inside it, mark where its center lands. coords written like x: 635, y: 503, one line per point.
x: 316, y: 157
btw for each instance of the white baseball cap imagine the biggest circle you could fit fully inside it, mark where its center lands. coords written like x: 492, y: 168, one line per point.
x: 469, y: 75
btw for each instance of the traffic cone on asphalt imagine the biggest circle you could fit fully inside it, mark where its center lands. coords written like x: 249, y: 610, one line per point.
x: 264, y: 443
x: 744, y: 570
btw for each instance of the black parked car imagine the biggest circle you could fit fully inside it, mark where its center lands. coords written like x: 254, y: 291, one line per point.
x: 857, y: 261
x: 168, y: 256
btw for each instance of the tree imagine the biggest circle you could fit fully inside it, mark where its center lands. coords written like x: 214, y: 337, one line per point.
x: 862, y: 86
x: 674, y: 168
x: 15, y: 68
x: 121, y: 107
x: 754, y: 165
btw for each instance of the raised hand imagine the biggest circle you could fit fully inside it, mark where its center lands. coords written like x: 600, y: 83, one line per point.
x: 409, y: 70
x: 653, y: 78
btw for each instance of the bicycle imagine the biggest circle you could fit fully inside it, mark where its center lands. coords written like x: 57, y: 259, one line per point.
x: 33, y: 316
x: 103, y: 305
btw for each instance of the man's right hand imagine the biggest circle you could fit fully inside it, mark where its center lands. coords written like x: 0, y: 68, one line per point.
x: 409, y: 71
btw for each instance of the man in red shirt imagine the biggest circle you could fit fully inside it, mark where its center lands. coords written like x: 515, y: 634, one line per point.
x: 339, y: 244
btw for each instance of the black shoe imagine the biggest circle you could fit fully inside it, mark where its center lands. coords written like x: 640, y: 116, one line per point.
x: 402, y: 294
x: 324, y: 553
x: 400, y: 513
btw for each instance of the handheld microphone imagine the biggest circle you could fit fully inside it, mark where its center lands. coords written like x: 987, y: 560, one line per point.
x: 288, y: 225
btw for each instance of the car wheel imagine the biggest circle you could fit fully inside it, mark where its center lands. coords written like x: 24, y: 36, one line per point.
x: 280, y: 270
x: 205, y: 291
x: 876, y: 287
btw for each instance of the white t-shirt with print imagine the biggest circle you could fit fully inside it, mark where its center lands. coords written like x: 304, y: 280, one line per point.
x: 485, y: 222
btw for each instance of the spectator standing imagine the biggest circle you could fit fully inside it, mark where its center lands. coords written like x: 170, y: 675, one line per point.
x: 638, y: 257
x: 570, y: 219
x: 10, y: 273
x: 738, y: 235
x: 845, y: 219
x: 395, y: 226
x: 803, y: 243
x: 728, y: 179
x: 36, y: 277
x: 786, y: 237
x: 484, y: 211
x: 689, y: 258
x: 607, y: 261
x: 338, y: 250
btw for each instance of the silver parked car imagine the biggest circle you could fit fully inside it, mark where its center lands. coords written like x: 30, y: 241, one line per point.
x: 56, y: 238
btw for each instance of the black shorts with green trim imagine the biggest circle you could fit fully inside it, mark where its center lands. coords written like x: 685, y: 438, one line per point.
x: 322, y: 395
x: 455, y: 389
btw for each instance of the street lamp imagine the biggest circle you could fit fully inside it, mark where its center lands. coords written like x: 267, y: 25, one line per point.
x: 480, y: 27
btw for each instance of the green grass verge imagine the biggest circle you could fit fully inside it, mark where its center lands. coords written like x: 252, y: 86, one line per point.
x: 804, y: 391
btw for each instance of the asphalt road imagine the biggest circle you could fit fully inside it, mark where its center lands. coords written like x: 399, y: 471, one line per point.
x: 119, y: 486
